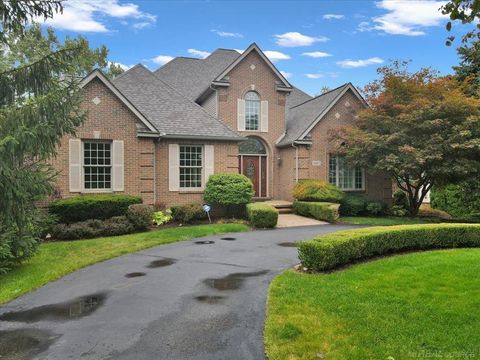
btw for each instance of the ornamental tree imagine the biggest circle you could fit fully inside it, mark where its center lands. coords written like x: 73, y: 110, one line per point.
x: 420, y: 128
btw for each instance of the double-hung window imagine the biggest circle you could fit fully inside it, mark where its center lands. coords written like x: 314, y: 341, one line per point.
x: 343, y: 176
x: 252, y: 111
x: 97, y: 165
x: 191, y: 166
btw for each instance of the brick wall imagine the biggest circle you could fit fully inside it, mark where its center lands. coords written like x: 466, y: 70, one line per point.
x: 377, y: 185
x: 226, y: 160
x: 110, y: 119
x: 259, y: 77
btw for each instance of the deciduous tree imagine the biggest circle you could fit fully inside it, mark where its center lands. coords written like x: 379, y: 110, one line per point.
x: 420, y: 128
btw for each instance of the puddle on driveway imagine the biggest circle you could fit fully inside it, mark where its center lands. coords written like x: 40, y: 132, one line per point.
x: 204, y: 242
x: 134, y: 274
x: 229, y: 238
x: 287, y: 244
x: 210, y: 299
x: 232, y: 281
x: 70, y: 310
x: 161, y: 263
x: 23, y: 344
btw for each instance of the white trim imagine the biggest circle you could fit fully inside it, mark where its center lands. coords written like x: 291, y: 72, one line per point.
x: 99, y: 75
x: 324, y: 112
x: 262, y: 55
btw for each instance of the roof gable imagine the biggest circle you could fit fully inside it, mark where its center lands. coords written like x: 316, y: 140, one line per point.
x: 303, y: 117
x: 253, y: 47
x: 97, y: 74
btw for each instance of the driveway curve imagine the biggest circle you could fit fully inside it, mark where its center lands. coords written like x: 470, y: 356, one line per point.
x: 198, y: 299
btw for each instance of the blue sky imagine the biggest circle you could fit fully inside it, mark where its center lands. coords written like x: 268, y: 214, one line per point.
x: 315, y: 43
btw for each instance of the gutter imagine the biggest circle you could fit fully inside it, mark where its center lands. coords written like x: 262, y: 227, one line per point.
x: 204, y: 137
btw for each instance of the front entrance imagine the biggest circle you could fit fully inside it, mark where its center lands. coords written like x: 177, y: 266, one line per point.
x: 253, y: 164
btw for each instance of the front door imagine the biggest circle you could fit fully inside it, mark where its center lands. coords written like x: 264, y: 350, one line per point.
x: 255, y: 168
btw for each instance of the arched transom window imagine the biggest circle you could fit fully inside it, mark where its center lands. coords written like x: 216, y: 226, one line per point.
x: 252, y: 111
x: 252, y: 146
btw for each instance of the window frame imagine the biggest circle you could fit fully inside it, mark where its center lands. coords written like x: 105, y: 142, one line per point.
x: 337, y: 174
x: 202, y: 168
x: 83, y: 166
x: 259, y: 104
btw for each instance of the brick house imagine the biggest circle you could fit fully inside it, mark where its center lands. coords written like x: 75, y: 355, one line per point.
x: 161, y: 134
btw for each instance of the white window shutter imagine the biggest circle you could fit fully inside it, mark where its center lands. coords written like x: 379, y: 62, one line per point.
x: 174, y: 167
x: 264, y: 116
x: 241, y: 114
x: 118, y: 166
x: 209, y: 162
x: 75, y: 165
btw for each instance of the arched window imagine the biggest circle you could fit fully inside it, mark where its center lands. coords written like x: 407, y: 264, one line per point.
x: 251, y: 146
x: 252, y: 110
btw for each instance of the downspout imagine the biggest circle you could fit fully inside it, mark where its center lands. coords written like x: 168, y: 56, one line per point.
x: 296, y: 162
x: 155, y: 172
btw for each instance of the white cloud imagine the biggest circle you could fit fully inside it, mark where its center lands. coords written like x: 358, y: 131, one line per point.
x: 162, y: 59
x: 123, y: 66
x: 239, y: 51
x: 286, y: 74
x: 406, y: 17
x: 293, y: 39
x: 317, y: 54
x: 333, y: 16
x: 348, y: 63
x: 198, y: 53
x: 314, y: 76
x: 141, y: 25
x: 88, y: 15
x: 227, y: 34
x: 276, y: 55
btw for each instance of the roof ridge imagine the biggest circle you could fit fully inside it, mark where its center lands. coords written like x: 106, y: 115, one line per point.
x: 128, y: 70
x: 194, y: 103
x: 318, y: 96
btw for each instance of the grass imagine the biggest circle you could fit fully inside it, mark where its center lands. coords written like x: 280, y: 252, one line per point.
x: 57, y: 259
x: 420, y: 305
x: 386, y: 220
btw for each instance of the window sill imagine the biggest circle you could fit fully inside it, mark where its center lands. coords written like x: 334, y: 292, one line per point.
x: 99, y: 191
x: 191, y: 191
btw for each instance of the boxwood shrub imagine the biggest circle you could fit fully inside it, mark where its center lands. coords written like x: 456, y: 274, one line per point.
x: 337, y: 249
x: 86, y: 207
x: 228, y: 189
x: 353, y: 205
x: 262, y: 215
x: 187, y: 214
x: 318, y: 210
x: 317, y: 190
x: 117, y: 225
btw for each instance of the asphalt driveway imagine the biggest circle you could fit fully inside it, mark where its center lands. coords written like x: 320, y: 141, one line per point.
x: 198, y: 299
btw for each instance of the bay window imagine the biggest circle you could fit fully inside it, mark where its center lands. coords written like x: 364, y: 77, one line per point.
x: 345, y: 177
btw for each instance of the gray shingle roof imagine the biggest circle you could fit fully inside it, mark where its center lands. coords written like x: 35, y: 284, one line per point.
x: 168, y: 110
x: 302, y: 115
x: 191, y: 76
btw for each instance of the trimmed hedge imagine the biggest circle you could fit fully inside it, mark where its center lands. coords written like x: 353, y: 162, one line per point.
x: 353, y: 205
x: 262, y: 215
x: 85, y: 207
x: 228, y: 189
x: 318, y: 210
x: 317, y: 190
x: 334, y: 250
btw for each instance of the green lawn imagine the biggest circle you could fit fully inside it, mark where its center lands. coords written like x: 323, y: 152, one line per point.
x: 57, y: 259
x: 420, y: 305
x: 386, y: 220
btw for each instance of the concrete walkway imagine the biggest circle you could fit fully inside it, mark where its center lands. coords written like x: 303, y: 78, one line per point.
x: 293, y: 220
x: 199, y: 299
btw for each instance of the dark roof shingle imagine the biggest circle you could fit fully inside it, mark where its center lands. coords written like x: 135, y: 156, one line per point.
x: 168, y: 110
